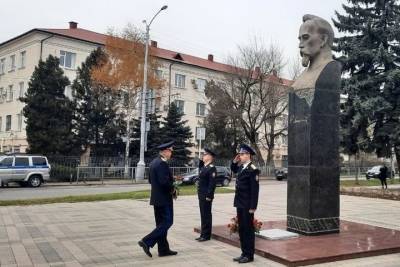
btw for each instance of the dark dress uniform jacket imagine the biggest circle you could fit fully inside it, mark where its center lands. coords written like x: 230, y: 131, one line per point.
x: 207, y: 176
x: 161, y: 180
x: 247, y: 186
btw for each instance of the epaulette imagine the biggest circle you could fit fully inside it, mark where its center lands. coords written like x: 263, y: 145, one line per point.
x: 211, y: 165
x: 253, y: 167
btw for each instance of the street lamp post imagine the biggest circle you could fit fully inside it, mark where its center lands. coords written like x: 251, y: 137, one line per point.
x: 139, y: 175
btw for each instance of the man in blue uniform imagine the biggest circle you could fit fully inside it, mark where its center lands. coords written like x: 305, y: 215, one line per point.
x: 205, y: 192
x: 246, y: 200
x: 162, y: 191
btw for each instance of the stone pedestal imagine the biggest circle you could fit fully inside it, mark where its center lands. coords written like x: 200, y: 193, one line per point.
x: 313, y: 156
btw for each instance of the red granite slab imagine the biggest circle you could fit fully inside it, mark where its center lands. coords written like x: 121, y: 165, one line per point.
x: 355, y: 240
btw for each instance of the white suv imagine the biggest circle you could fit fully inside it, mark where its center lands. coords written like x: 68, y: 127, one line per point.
x: 32, y: 170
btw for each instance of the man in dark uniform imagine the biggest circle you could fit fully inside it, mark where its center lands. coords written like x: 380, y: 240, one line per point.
x: 205, y: 192
x: 246, y: 200
x: 162, y: 191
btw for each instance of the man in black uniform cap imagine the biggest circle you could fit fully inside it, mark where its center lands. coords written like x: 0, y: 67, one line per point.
x: 162, y: 191
x: 246, y: 200
x: 205, y: 192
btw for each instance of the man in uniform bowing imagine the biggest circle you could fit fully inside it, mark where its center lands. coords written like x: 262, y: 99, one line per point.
x: 162, y: 193
x: 246, y: 200
x: 205, y: 192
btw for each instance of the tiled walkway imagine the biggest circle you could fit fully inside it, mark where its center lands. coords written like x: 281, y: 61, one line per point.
x: 106, y: 233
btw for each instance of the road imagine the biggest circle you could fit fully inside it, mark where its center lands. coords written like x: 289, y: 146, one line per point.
x: 48, y: 191
x: 14, y: 193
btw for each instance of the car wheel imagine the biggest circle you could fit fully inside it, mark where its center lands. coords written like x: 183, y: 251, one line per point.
x: 35, y: 181
x: 279, y: 178
x: 225, y: 182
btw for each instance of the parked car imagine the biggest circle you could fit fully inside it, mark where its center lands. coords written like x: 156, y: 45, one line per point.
x: 223, y: 177
x: 374, y: 172
x: 281, y: 174
x: 32, y: 170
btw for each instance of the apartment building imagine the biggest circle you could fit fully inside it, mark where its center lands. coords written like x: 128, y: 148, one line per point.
x: 185, y: 77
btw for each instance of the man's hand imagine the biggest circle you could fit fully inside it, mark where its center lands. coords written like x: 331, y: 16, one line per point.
x: 208, y: 199
x: 236, y: 159
x: 251, y: 211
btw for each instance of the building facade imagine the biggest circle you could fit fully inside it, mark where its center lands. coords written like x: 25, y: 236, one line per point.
x: 185, y: 78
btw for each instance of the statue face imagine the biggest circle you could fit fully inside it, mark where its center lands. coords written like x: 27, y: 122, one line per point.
x: 311, y: 42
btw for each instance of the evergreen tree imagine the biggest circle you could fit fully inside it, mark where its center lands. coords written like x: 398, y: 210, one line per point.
x: 224, y: 132
x: 176, y: 129
x: 370, y: 53
x: 154, y: 137
x: 48, y: 112
x: 97, y: 120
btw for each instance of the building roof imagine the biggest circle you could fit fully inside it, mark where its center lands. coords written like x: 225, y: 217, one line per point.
x: 100, y: 39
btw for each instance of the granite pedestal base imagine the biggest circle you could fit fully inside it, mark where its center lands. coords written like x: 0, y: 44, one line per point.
x: 355, y: 240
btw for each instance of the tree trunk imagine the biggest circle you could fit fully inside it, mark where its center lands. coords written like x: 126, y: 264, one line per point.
x: 270, y: 142
x: 259, y: 157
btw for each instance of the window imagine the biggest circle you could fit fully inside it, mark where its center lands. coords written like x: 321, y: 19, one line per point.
x: 1, y: 124
x: 10, y: 93
x: 21, y: 89
x: 22, y: 57
x: 8, y: 123
x: 39, y: 161
x: 7, y: 162
x: 159, y: 74
x: 200, y: 109
x: 2, y: 96
x: 19, y: 116
x: 67, y: 59
x: 21, y: 161
x: 180, y: 105
x: 2, y: 65
x: 12, y: 63
x: 201, y: 84
x: 180, y: 80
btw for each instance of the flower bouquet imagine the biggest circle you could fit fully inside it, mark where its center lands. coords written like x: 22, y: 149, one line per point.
x: 175, y: 191
x: 234, y: 225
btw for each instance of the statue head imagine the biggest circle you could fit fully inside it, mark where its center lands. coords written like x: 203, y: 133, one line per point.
x: 316, y: 38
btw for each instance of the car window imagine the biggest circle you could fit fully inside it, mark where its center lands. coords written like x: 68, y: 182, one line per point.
x: 39, y: 161
x: 21, y: 161
x: 7, y: 162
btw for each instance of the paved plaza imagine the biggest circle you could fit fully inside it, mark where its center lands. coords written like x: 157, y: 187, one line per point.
x: 106, y: 233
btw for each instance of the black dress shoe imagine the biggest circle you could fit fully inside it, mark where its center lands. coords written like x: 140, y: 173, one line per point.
x: 237, y: 258
x: 245, y: 260
x: 145, y: 248
x: 203, y: 239
x: 168, y: 253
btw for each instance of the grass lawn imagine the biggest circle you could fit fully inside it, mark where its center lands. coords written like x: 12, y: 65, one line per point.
x: 364, y: 182
x: 184, y: 191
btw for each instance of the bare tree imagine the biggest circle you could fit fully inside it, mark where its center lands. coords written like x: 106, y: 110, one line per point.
x: 294, y: 68
x: 247, y: 87
x: 275, y: 124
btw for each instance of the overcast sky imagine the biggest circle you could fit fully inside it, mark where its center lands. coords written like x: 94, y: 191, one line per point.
x: 198, y: 27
